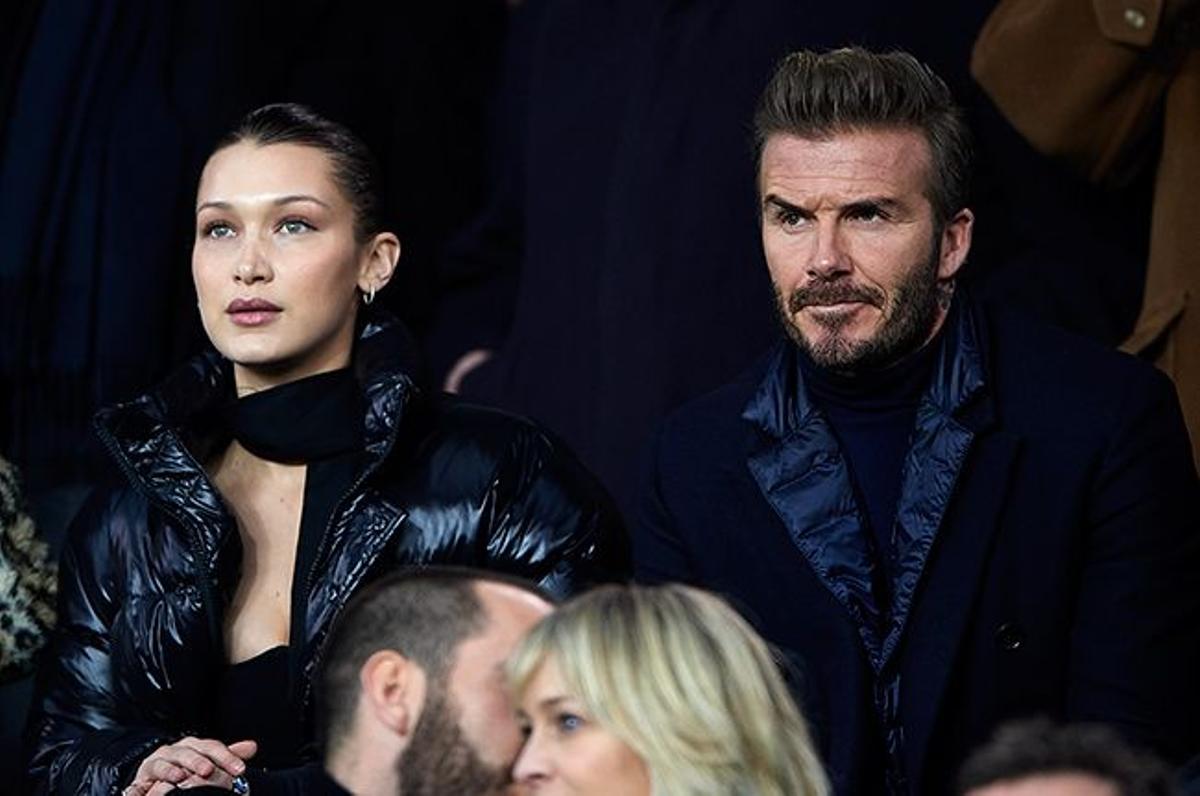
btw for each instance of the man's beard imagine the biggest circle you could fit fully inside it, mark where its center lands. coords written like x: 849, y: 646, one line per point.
x: 439, y: 760
x: 913, y: 313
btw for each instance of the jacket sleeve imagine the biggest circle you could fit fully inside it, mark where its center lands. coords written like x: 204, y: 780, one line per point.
x: 547, y: 516
x: 84, y: 736
x: 1135, y: 645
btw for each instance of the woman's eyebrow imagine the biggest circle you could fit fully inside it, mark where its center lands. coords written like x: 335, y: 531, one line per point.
x: 299, y: 197
x: 282, y: 200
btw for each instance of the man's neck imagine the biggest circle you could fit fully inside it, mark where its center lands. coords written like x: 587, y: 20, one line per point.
x: 354, y: 768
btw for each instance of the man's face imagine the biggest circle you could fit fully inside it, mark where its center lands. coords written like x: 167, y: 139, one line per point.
x: 853, y: 247
x: 467, y: 737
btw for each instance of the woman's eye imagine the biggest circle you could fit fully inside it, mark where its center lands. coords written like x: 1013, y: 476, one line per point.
x: 569, y: 722
x: 217, y: 230
x: 295, y: 226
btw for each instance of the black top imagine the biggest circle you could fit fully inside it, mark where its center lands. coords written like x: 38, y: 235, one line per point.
x: 872, y: 415
x: 315, y: 421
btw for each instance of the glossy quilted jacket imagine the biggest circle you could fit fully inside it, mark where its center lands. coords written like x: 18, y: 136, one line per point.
x: 148, y: 570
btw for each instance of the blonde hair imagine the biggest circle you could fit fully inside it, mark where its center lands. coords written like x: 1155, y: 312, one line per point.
x: 686, y: 683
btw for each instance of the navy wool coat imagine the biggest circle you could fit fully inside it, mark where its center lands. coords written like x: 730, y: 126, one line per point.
x: 1046, y: 550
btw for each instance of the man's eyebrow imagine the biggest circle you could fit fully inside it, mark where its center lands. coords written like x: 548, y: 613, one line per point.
x: 887, y: 203
x: 783, y: 204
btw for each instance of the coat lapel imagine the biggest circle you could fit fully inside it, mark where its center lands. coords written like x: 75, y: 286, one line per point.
x: 954, y: 409
x: 804, y: 478
x: 947, y: 597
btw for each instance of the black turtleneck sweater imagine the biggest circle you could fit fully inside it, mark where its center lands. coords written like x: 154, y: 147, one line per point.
x: 872, y: 415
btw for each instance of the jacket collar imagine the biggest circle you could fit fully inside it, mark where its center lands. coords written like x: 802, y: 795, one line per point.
x: 155, y: 441
x: 781, y: 404
x: 802, y: 474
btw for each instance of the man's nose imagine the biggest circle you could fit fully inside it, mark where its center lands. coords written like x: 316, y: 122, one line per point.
x: 829, y: 258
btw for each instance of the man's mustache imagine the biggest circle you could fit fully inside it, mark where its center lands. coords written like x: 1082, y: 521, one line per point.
x: 825, y: 293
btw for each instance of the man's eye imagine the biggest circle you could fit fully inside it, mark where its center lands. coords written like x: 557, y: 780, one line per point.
x: 218, y: 229
x: 868, y: 213
x: 788, y: 218
x: 295, y: 226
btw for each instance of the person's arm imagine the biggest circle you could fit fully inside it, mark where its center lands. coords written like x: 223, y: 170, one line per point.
x: 86, y: 738
x: 550, y: 517
x: 1135, y: 645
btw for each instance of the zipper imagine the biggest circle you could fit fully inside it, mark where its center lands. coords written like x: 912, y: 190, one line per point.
x: 209, y: 581
x: 356, y: 484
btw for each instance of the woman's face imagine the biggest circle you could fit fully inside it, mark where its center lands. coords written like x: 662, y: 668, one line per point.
x: 566, y: 751
x: 276, y: 263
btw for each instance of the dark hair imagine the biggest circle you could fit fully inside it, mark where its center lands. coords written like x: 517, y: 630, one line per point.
x: 424, y: 614
x: 817, y: 95
x: 354, y: 167
x: 1039, y: 747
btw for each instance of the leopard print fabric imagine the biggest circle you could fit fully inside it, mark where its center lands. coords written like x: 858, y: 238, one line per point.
x: 27, y: 582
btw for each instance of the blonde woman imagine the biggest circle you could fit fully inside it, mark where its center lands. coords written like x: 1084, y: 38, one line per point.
x: 656, y: 691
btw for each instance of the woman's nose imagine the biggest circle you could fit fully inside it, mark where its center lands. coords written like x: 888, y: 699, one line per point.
x: 252, y: 265
x: 532, y: 765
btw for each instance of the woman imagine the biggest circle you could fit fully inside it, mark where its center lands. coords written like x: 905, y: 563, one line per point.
x: 656, y: 690
x: 271, y: 478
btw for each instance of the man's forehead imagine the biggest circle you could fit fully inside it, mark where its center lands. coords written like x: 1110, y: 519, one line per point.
x: 509, y: 603
x: 867, y: 158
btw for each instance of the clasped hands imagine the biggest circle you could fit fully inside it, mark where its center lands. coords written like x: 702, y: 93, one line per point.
x: 188, y: 763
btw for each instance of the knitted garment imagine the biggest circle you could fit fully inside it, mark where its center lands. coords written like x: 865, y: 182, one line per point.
x: 27, y: 582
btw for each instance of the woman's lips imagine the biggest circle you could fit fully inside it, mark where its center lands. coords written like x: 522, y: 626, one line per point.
x: 252, y: 312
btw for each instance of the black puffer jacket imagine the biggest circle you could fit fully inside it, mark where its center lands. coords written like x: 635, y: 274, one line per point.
x: 148, y: 571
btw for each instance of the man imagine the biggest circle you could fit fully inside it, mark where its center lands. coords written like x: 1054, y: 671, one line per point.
x: 415, y: 700
x: 949, y: 517
x: 1038, y: 758
x: 412, y: 692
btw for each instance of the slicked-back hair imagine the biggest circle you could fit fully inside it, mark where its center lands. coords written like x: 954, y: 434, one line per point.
x: 816, y: 96
x: 423, y: 614
x: 355, y: 170
x: 1039, y: 747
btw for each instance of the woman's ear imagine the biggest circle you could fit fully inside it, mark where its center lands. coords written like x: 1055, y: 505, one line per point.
x: 393, y: 690
x: 378, y: 263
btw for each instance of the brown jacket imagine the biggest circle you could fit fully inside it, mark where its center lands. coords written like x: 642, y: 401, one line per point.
x: 1084, y: 81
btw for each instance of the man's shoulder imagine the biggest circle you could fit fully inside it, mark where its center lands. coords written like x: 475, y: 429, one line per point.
x: 712, y: 424
x: 1063, y: 375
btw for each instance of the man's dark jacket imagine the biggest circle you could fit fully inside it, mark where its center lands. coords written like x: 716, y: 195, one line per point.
x: 1045, y: 549
x: 149, y: 571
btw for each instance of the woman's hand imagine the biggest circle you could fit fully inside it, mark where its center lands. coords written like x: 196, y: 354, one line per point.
x: 189, y: 762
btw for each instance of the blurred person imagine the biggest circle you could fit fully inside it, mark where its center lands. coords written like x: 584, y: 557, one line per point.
x: 271, y: 477
x: 26, y: 582
x: 656, y: 690
x: 949, y: 515
x: 1040, y: 758
x: 412, y: 698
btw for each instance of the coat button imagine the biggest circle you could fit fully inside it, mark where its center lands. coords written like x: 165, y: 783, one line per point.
x: 1009, y: 637
x: 1136, y: 19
